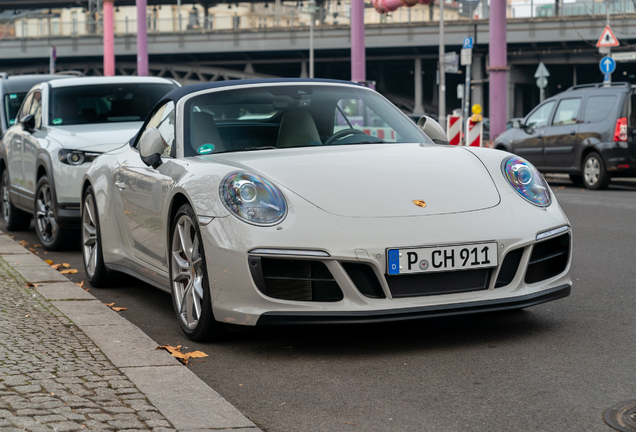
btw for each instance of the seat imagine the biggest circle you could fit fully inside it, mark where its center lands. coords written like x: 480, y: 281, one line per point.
x: 67, y: 110
x: 297, y: 129
x: 203, y: 131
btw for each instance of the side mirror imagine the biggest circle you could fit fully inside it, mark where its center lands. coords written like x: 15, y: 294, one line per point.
x: 28, y: 122
x: 151, y: 146
x: 432, y: 129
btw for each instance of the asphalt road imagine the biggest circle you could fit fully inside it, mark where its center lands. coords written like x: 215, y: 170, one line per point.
x: 553, y: 367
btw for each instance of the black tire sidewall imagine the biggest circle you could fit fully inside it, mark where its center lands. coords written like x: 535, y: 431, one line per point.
x: 100, y: 277
x: 207, y: 329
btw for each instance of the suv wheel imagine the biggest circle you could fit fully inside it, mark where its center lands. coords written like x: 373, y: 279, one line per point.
x: 595, y: 176
x: 14, y: 218
x: 51, y: 235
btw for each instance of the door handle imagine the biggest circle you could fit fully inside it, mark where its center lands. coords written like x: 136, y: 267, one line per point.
x: 573, y: 133
x: 120, y: 184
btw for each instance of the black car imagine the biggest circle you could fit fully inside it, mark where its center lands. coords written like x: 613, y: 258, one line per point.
x: 587, y: 131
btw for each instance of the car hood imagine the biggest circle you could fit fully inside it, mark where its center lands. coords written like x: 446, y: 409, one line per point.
x: 100, y: 137
x: 381, y: 180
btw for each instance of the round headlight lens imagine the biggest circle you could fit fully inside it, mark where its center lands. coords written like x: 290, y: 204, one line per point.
x: 526, y: 180
x: 253, y: 199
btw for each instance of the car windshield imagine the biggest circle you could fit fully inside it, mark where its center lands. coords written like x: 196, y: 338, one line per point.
x: 296, y: 115
x: 104, y: 103
x: 12, y: 103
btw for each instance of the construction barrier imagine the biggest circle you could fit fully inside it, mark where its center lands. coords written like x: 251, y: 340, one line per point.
x: 474, y: 133
x: 454, y: 129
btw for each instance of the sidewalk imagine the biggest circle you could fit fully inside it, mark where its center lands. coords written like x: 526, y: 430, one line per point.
x: 68, y: 362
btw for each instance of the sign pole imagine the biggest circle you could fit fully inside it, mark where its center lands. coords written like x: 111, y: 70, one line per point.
x: 608, y: 77
x: 441, y: 114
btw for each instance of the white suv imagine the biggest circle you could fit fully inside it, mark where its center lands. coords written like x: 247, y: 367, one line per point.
x: 61, y: 127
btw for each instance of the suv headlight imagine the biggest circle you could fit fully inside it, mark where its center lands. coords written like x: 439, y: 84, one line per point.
x: 76, y: 157
x: 526, y: 180
x: 253, y: 199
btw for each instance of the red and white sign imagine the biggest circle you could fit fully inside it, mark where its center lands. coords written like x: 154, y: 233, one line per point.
x: 454, y: 129
x: 474, y: 134
x: 607, y: 39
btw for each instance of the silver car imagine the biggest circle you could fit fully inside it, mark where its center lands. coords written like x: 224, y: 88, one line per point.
x: 62, y: 126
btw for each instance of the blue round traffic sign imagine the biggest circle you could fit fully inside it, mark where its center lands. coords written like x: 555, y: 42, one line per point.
x: 607, y: 65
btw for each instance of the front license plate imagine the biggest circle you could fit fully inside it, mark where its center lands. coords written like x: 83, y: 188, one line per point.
x: 442, y: 258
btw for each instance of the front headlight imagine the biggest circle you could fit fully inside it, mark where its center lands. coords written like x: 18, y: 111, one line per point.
x: 253, y: 199
x: 526, y: 180
x: 76, y: 157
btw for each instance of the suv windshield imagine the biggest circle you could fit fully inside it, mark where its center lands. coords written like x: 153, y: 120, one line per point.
x: 12, y: 103
x: 298, y: 115
x: 104, y: 103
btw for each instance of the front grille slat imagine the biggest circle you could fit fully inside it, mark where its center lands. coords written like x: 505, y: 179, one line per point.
x: 294, y: 279
x: 424, y: 284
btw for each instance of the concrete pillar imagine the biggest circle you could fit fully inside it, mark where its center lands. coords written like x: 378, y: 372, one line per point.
x: 358, y: 58
x: 417, y: 76
x: 109, y: 38
x: 142, y: 38
x: 498, y: 68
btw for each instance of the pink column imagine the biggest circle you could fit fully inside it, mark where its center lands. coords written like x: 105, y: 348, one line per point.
x: 109, y: 38
x: 142, y: 38
x: 358, y: 59
x: 498, y: 86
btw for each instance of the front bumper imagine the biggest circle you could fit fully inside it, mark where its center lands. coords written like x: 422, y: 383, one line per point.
x: 514, y: 225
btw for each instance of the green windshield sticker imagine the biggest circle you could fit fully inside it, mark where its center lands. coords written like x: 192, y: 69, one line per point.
x: 57, y: 121
x: 13, y: 96
x: 12, y: 121
x: 205, y: 149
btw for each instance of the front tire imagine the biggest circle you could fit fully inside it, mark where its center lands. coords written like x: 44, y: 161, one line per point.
x: 50, y: 233
x: 595, y: 176
x: 14, y: 218
x: 92, y: 242
x: 189, y: 280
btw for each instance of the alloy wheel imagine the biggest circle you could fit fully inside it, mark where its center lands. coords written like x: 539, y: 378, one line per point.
x: 6, y: 203
x: 592, y: 170
x: 89, y: 236
x: 187, y: 272
x: 45, y: 218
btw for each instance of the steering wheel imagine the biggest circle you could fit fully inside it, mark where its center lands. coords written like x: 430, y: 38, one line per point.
x: 341, y: 134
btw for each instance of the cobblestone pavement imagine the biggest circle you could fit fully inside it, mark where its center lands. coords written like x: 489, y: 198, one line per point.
x: 53, y: 377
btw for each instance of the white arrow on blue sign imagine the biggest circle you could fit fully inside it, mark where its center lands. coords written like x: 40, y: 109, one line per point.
x: 607, y: 65
x: 468, y: 43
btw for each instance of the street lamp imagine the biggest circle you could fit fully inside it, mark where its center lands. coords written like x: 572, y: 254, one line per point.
x: 311, y: 8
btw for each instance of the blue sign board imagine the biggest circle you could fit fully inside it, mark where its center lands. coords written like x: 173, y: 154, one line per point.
x: 607, y: 65
x: 468, y: 43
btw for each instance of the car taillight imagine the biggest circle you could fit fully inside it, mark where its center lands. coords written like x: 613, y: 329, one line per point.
x: 620, y: 133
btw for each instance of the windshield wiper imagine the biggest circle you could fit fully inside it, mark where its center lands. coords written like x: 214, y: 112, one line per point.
x: 260, y: 148
x: 371, y: 142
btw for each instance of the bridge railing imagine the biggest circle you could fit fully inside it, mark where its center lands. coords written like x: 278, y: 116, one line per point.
x: 291, y: 18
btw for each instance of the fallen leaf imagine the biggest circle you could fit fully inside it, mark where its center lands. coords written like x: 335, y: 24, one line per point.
x: 65, y: 265
x: 26, y: 316
x: 110, y: 304
x: 32, y: 285
x: 49, y: 262
x: 69, y: 271
x: 81, y: 284
x: 352, y: 424
x: 118, y: 309
x: 38, y: 245
x: 32, y: 250
x: 182, y: 357
x: 56, y: 266
x: 198, y: 354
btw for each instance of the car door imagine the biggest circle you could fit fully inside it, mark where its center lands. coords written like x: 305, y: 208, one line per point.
x: 143, y: 193
x: 15, y: 154
x: 562, y: 137
x: 31, y: 143
x: 529, y: 140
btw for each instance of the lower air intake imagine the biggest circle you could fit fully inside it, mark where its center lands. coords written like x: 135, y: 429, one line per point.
x: 549, y: 258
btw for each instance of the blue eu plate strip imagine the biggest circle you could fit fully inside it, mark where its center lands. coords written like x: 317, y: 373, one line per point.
x: 394, y: 262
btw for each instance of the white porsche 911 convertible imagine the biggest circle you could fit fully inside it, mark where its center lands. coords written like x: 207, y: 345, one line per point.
x: 295, y: 201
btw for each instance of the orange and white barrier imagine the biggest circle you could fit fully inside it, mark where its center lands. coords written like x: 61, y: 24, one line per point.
x: 454, y: 129
x: 474, y: 134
